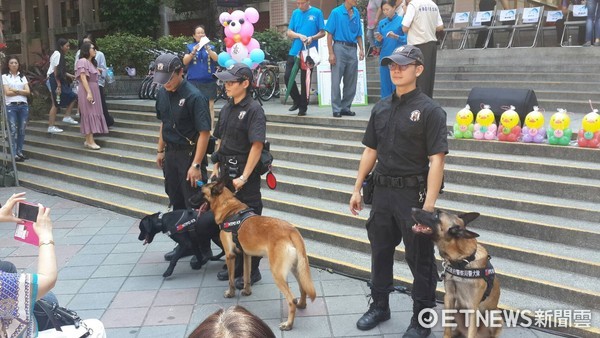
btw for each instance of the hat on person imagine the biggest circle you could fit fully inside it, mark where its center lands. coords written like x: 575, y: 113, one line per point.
x: 404, y: 55
x: 237, y: 72
x: 164, y: 66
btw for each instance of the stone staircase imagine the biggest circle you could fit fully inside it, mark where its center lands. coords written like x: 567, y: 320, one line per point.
x: 538, y: 203
x: 561, y: 77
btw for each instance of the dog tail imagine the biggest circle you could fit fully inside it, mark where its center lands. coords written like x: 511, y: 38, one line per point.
x: 302, y: 267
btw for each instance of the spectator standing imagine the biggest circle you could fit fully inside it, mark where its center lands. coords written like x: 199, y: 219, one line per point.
x: 16, y: 90
x: 306, y: 27
x: 592, y: 24
x: 373, y: 14
x: 241, y: 134
x: 406, y: 142
x: 345, y: 35
x: 19, y: 292
x: 201, y: 63
x: 389, y: 36
x: 421, y: 20
x: 88, y: 91
x: 182, y: 139
x: 57, y: 85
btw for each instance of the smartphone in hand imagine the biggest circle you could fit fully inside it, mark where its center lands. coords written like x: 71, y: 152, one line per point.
x: 25, y: 232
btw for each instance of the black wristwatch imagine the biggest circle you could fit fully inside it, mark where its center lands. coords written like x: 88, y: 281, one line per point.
x: 196, y: 165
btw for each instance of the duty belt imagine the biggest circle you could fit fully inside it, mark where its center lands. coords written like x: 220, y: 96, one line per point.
x: 397, y: 182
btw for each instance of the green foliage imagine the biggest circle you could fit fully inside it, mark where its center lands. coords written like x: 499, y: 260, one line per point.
x: 127, y: 50
x: 139, y: 17
x: 172, y: 43
x: 274, y: 43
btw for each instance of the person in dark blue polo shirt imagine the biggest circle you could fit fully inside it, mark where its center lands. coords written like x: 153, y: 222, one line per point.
x: 306, y: 27
x: 345, y: 34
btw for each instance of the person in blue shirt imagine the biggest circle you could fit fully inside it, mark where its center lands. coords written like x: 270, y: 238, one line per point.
x: 345, y: 35
x: 305, y: 28
x: 201, y: 63
x: 388, y: 37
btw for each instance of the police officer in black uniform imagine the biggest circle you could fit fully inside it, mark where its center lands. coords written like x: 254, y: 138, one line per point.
x: 241, y: 132
x: 407, y: 136
x: 183, y: 139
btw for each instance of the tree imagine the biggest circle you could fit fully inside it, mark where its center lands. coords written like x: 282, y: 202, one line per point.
x: 139, y: 17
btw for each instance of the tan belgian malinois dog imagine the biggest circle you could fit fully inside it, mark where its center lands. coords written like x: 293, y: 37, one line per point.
x: 469, y: 278
x: 262, y: 236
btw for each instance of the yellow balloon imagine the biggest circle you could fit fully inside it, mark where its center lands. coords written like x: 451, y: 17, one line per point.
x: 509, y: 119
x: 591, y: 122
x: 534, y: 120
x: 485, y: 117
x: 464, y: 117
x: 560, y: 121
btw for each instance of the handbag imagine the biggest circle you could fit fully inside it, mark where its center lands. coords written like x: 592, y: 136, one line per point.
x: 310, y: 58
x: 51, y: 316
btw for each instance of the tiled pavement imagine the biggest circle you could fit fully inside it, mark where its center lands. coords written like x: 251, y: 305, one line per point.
x: 106, y: 273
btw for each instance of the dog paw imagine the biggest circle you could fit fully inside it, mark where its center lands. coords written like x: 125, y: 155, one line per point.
x: 246, y: 292
x: 196, y: 265
x: 285, y: 326
x: 299, y: 305
x: 167, y: 273
x: 229, y: 294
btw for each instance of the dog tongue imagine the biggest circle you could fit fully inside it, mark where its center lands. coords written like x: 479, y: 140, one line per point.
x: 203, y: 207
x: 420, y: 229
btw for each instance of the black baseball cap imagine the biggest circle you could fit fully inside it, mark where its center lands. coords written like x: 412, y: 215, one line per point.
x: 404, y: 55
x: 164, y: 66
x: 237, y: 72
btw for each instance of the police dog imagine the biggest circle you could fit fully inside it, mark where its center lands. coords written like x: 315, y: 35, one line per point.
x: 464, y: 290
x: 187, y: 228
x: 261, y: 236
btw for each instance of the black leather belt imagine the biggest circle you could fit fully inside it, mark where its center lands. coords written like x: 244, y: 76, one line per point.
x: 17, y: 103
x: 175, y: 146
x: 349, y: 44
x: 396, y: 182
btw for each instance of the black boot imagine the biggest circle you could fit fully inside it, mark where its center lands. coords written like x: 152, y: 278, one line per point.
x: 379, y: 311
x: 415, y: 330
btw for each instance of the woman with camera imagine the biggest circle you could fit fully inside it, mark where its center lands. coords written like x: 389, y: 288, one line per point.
x: 20, y: 291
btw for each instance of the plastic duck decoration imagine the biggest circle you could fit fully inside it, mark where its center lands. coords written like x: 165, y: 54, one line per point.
x: 485, y: 128
x: 559, y: 132
x: 589, y: 134
x: 463, y: 128
x: 510, y: 126
x: 534, y: 131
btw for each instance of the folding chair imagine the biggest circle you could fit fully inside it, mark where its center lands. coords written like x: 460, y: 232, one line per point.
x: 528, y: 19
x: 549, y: 23
x: 477, y: 25
x: 458, y: 22
x: 579, y: 17
x: 503, y: 22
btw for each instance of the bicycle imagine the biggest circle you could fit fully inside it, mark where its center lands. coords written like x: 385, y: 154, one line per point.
x: 148, y: 88
x: 266, y: 77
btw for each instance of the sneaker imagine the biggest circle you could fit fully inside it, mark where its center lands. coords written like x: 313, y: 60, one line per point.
x: 597, y: 44
x: 54, y: 130
x: 69, y: 120
x: 23, y: 156
x: 19, y: 159
x: 587, y: 44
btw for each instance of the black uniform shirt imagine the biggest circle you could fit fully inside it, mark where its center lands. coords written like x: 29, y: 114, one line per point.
x: 405, y: 131
x: 185, y: 109
x: 239, y: 126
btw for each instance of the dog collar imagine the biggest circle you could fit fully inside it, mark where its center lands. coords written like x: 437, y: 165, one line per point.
x: 461, y: 264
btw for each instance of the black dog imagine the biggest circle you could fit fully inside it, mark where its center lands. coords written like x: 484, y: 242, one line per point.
x: 187, y: 227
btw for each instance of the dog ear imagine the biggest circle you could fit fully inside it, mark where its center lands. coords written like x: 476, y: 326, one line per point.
x: 459, y: 232
x: 468, y: 217
x: 217, y: 189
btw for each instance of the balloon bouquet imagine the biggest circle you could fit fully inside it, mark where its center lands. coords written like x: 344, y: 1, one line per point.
x: 463, y: 128
x: 239, y: 43
x: 589, y: 134
x: 485, y: 128
x: 533, y: 131
x: 559, y: 132
x: 510, y: 126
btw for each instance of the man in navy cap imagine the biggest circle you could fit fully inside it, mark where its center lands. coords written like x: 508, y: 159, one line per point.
x: 407, y: 137
x: 182, y: 140
x: 241, y: 134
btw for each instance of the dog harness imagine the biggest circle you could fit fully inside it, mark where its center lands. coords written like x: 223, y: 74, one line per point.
x: 186, y: 222
x: 458, y: 269
x: 234, y: 222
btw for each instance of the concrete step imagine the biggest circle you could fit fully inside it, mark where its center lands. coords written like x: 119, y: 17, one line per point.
x: 454, y: 67
x: 540, y: 86
x: 550, y: 57
x: 515, y: 76
x: 576, y: 106
x: 541, y: 95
